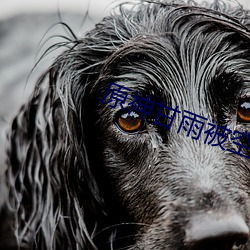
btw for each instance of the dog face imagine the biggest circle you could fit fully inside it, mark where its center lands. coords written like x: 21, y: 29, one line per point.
x: 106, y: 177
x: 171, y: 184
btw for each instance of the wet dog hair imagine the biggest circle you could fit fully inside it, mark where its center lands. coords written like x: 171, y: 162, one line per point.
x: 76, y: 180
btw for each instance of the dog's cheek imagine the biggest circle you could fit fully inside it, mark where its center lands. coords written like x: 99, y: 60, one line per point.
x: 130, y: 165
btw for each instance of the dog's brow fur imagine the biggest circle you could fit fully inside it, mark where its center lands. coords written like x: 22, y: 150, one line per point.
x: 78, y: 182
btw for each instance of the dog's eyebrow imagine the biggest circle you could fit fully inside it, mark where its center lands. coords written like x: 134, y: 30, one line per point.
x: 147, y: 65
x: 222, y: 94
x: 144, y: 88
x: 229, y: 83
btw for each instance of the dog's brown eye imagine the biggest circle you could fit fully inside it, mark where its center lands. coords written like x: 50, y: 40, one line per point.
x: 130, y: 122
x: 243, y: 113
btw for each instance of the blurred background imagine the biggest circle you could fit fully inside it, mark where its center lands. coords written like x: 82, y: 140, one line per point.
x: 25, y: 27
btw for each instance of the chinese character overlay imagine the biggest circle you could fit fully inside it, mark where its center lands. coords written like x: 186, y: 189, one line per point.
x: 171, y: 118
x: 217, y: 135
x: 145, y: 106
x: 118, y: 95
x: 133, y: 103
x: 192, y: 124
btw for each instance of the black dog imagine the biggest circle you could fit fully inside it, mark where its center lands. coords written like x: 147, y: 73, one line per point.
x: 84, y: 175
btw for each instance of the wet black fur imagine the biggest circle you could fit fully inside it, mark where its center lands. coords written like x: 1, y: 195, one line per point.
x: 76, y: 181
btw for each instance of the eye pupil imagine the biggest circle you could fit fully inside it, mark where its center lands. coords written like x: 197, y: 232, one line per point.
x: 243, y: 113
x: 130, y: 122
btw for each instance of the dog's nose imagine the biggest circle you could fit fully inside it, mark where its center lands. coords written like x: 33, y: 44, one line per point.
x: 217, y: 232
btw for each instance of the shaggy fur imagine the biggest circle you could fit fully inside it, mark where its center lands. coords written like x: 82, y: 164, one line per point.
x: 77, y: 181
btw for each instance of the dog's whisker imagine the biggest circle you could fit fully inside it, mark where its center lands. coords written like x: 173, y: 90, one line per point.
x: 115, y: 226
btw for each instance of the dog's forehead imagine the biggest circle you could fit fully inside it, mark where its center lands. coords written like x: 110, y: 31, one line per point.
x: 165, y: 69
x: 184, y: 56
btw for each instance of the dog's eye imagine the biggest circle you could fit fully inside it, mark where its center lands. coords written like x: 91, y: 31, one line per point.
x: 243, y: 113
x: 130, y: 122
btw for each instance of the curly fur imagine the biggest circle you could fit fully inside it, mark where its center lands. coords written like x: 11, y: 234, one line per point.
x: 76, y: 182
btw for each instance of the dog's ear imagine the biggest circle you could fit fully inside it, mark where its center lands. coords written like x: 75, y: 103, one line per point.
x: 52, y: 191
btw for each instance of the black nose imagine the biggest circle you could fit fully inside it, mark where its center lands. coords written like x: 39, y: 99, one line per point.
x: 217, y: 232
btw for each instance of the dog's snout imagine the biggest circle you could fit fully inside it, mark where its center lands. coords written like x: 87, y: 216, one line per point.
x: 222, y: 232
